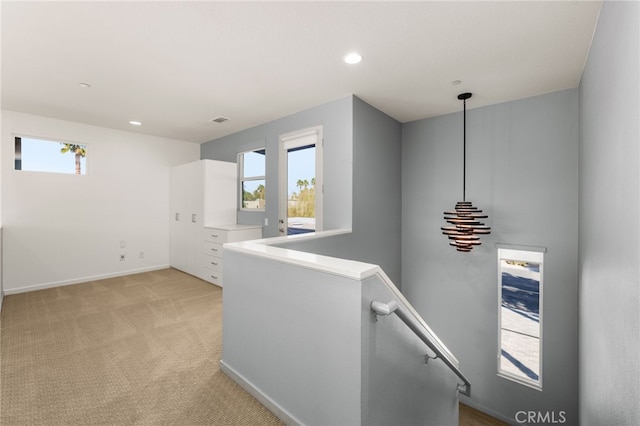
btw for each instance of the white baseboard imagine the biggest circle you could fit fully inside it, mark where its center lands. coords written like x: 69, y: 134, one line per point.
x: 82, y: 280
x: 263, y: 399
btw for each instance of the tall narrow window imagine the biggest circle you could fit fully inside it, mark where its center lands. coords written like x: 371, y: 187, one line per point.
x: 520, y: 316
x: 42, y: 155
x: 300, y: 185
x: 252, y: 179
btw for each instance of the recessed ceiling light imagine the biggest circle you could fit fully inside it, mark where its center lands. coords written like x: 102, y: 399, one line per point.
x: 85, y: 85
x: 352, y: 58
x: 456, y: 82
x: 219, y: 119
x: 135, y: 123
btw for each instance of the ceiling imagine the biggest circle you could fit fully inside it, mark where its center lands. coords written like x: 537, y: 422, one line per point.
x: 174, y: 66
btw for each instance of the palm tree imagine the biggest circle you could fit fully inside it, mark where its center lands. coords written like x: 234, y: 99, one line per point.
x: 259, y: 192
x: 79, y: 150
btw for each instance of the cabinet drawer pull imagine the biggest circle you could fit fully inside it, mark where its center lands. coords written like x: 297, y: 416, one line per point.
x: 214, y: 263
x: 214, y: 249
x: 214, y: 277
x: 214, y: 236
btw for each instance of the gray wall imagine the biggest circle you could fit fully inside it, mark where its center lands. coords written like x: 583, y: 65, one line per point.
x: 362, y: 173
x: 522, y: 169
x: 305, y: 342
x: 377, y: 188
x: 336, y: 119
x: 609, y: 212
x: 398, y: 387
x: 377, y: 194
x: 294, y: 334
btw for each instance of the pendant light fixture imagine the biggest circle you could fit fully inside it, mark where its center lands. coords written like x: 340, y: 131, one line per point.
x: 465, y: 226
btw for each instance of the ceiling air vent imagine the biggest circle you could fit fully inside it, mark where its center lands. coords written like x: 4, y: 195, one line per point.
x: 220, y: 119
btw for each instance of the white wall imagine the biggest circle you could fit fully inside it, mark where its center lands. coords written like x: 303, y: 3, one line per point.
x: 1, y: 237
x: 522, y: 169
x: 1, y: 286
x: 61, y: 229
x: 609, y: 221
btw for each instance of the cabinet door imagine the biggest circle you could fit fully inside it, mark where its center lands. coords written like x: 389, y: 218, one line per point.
x: 220, y: 192
x: 179, y: 218
x: 195, y: 217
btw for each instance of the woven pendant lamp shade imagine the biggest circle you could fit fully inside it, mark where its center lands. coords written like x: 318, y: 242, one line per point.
x: 465, y: 227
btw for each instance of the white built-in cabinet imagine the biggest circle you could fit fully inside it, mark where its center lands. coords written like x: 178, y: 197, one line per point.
x: 203, y: 193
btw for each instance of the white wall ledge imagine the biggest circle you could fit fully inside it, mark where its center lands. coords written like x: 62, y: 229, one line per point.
x: 332, y: 265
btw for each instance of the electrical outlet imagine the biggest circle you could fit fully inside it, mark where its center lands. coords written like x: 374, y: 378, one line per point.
x: 122, y: 258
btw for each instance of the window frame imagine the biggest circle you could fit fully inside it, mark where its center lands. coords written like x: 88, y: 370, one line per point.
x: 531, y: 255
x: 18, y: 159
x: 242, y: 179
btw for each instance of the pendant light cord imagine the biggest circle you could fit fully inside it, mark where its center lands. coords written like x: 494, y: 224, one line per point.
x: 464, y: 97
x: 464, y: 150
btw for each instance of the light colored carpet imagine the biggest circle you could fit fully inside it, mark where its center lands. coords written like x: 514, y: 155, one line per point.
x: 137, y: 350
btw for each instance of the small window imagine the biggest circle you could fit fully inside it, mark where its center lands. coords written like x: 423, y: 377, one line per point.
x: 252, y: 179
x: 520, y: 316
x: 41, y: 155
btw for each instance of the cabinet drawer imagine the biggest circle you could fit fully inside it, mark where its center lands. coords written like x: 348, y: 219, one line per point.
x: 215, y: 235
x: 213, y: 249
x: 212, y: 262
x: 214, y: 277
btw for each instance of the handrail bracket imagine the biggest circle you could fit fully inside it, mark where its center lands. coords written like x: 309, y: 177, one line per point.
x: 464, y: 388
x: 427, y: 358
x: 385, y: 309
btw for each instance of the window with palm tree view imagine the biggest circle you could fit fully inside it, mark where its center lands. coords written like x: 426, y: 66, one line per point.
x: 252, y: 179
x: 300, y: 181
x: 301, y: 206
x: 42, y: 155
